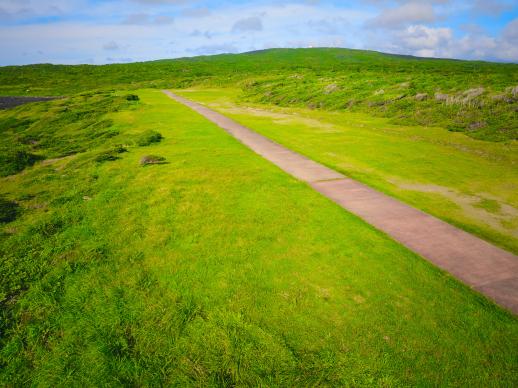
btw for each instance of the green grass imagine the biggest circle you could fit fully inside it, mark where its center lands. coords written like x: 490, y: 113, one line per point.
x: 477, y: 98
x: 467, y: 182
x: 218, y: 269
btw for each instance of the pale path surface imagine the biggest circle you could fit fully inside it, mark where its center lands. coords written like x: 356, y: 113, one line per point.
x: 485, y: 267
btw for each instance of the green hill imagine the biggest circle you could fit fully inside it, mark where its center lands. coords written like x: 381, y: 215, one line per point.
x: 141, y: 245
x: 479, y: 98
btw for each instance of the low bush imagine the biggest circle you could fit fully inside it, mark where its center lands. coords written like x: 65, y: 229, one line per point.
x: 12, y: 162
x: 106, y: 156
x: 9, y: 210
x: 119, y: 149
x: 149, y: 137
x: 110, y: 155
x: 132, y: 97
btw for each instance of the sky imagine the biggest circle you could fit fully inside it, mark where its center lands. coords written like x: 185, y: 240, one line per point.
x: 118, y: 31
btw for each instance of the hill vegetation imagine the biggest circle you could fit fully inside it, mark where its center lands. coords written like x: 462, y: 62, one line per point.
x: 140, y: 245
x: 478, y: 98
x: 146, y: 247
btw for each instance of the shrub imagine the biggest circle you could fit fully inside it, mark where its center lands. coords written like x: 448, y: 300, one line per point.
x: 106, y: 156
x: 119, y: 149
x: 110, y: 155
x: 12, y: 162
x: 132, y: 97
x: 152, y: 159
x: 149, y: 137
x: 9, y: 210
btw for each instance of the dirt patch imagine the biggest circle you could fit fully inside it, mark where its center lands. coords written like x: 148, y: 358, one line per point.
x: 281, y: 118
x: 500, y: 217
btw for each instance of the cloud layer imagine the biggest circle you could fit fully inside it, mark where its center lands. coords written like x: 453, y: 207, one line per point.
x: 94, y: 31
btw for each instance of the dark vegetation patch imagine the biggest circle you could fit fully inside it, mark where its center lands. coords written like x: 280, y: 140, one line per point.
x: 64, y: 127
x: 110, y: 155
x: 9, y: 210
x: 7, y: 102
x: 149, y: 137
x: 14, y: 161
x: 132, y: 97
x: 152, y: 159
x: 106, y: 156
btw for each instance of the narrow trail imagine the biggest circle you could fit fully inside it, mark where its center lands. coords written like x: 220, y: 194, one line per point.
x: 486, y: 268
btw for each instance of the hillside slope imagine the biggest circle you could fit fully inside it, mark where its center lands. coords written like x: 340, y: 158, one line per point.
x: 479, y: 98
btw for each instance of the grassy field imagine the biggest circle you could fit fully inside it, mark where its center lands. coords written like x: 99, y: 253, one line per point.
x: 467, y: 182
x: 214, y: 268
x: 477, y: 98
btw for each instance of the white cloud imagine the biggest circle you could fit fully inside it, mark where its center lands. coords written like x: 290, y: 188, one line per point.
x: 407, y: 13
x: 196, y: 12
x: 419, y: 37
x: 111, y: 46
x: 161, y: 2
x: 214, y: 49
x: 510, y: 32
x: 252, y: 23
x: 490, y: 8
x: 146, y: 19
x: 421, y: 40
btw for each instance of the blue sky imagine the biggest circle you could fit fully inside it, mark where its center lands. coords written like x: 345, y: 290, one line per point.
x: 108, y: 31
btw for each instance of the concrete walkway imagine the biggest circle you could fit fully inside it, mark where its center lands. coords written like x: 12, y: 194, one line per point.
x: 486, y: 268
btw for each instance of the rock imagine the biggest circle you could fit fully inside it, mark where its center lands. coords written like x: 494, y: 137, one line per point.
x: 421, y: 96
x: 441, y: 97
x: 477, y: 125
x: 472, y: 93
x: 331, y: 88
x: 152, y: 159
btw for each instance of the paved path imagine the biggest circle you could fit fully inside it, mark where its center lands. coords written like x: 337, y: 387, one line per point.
x: 486, y: 268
